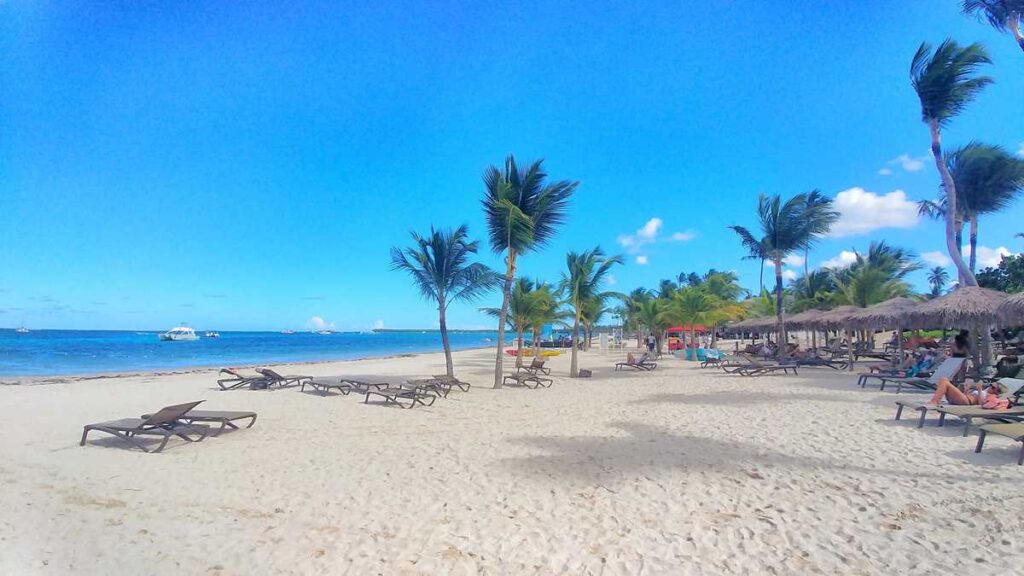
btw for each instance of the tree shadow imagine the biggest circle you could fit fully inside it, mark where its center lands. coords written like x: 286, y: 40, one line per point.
x: 652, y: 449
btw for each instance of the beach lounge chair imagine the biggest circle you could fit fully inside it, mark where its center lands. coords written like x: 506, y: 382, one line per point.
x: 341, y: 384
x: 712, y: 357
x: 951, y: 368
x: 401, y: 397
x: 536, y: 366
x: 164, y: 423
x: 752, y: 367
x: 525, y: 380
x: 1013, y: 431
x: 275, y: 379
x: 226, y: 418
x: 429, y: 386
x: 1013, y: 390
x: 817, y: 361
x: 644, y: 363
x: 237, y: 380
x: 453, y: 382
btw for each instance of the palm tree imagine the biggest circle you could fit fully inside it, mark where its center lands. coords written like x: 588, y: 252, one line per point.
x: 523, y: 211
x: 822, y: 216
x: 581, y: 282
x: 937, y: 279
x: 666, y: 288
x: 1003, y: 15
x: 875, y: 277
x: 694, y: 305
x: 724, y: 285
x: 440, y: 269
x: 651, y: 316
x: 786, y: 228
x: 987, y: 180
x: 546, y: 310
x: 946, y: 81
x: 632, y: 303
x: 521, y: 309
x: 593, y: 310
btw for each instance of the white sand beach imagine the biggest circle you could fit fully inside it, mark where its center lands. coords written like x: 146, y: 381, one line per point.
x: 678, y: 471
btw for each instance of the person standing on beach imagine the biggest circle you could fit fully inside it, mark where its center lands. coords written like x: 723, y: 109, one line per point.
x: 652, y: 342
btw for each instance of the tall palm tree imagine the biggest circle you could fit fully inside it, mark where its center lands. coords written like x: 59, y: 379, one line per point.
x: 581, y: 282
x: 724, y: 285
x: 786, y: 227
x: 938, y: 277
x: 1003, y: 15
x: 946, y: 81
x: 440, y: 268
x: 987, y: 180
x: 523, y: 211
x: 875, y: 277
x: 822, y: 216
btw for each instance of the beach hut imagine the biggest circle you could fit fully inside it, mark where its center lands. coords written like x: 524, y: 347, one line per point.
x: 966, y: 306
x: 893, y: 313
x: 807, y: 320
x: 840, y: 318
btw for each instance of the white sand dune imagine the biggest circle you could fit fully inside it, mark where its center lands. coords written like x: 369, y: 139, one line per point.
x: 680, y: 471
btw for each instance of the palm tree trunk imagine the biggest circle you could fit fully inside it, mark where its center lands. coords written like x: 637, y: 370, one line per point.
x: 506, y: 295
x: 693, y: 342
x: 760, y: 279
x: 536, y: 341
x: 444, y: 340
x: 959, y: 239
x: 573, y: 370
x: 974, y: 243
x: 1013, y: 23
x: 781, y: 342
x: 951, y: 205
x: 519, y: 347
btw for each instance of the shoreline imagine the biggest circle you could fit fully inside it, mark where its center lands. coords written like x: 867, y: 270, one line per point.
x: 41, y: 380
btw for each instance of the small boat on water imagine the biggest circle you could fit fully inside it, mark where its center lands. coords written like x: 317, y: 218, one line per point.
x: 179, y: 333
x: 212, y: 334
x: 22, y: 330
x: 324, y: 332
x: 286, y: 331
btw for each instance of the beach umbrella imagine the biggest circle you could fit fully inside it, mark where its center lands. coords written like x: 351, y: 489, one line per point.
x: 805, y: 319
x: 964, y: 306
x: 840, y: 318
x: 1011, y: 311
x: 893, y: 313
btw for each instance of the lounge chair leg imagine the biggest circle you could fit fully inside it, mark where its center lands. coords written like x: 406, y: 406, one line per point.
x: 1020, y: 459
x: 899, y: 411
x: 967, y: 425
x: 924, y: 413
x: 942, y: 419
x: 85, y: 432
x: 981, y: 441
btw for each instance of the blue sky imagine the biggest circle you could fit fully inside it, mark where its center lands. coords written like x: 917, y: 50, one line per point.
x: 249, y: 167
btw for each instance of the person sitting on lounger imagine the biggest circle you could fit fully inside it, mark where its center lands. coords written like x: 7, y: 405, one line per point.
x: 974, y: 396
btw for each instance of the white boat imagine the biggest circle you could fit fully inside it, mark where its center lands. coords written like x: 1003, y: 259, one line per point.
x: 179, y: 333
x: 287, y: 331
x: 212, y: 334
x: 22, y: 330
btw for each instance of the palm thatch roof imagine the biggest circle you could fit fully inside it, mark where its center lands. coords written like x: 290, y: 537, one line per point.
x: 752, y: 324
x: 838, y: 316
x: 961, y: 307
x: 892, y: 313
x: 805, y: 319
x: 1011, y: 311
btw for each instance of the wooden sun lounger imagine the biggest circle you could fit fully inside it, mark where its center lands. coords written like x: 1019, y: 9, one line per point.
x: 323, y: 386
x: 969, y: 413
x: 226, y: 418
x: 452, y: 382
x: 428, y: 386
x: 401, y: 397
x: 275, y: 379
x: 1014, y: 432
x: 164, y: 423
x: 236, y: 380
x: 536, y: 365
x: 643, y: 363
x: 521, y: 379
x: 951, y: 368
x: 763, y: 369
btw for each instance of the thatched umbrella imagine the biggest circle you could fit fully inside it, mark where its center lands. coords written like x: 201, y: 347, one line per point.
x: 893, y: 313
x: 964, y: 306
x: 1011, y: 312
x: 806, y: 320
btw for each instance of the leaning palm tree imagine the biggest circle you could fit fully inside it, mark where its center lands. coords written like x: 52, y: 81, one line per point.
x: 1003, y: 15
x: 440, y: 267
x: 786, y: 227
x: 946, y: 81
x: 523, y: 211
x: 987, y: 179
x: 938, y: 277
x: 581, y: 282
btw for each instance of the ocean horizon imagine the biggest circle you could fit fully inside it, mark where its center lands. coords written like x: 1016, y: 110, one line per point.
x: 47, y: 352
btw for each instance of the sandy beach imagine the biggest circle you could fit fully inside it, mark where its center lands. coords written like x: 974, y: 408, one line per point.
x: 678, y: 471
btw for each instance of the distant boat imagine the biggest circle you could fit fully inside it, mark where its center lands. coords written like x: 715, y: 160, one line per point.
x: 22, y: 330
x: 324, y: 332
x: 287, y: 331
x: 179, y: 333
x: 212, y: 334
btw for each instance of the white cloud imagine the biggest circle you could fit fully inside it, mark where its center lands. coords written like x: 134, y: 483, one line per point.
x: 936, y: 258
x: 611, y: 280
x: 378, y: 324
x: 861, y: 212
x: 649, y: 234
x: 1020, y: 151
x: 641, y: 260
x: 908, y: 163
x: 794, y: 260
x: 988, y: 257
x: 845, y: 259
x: 318, y: 323
x: 885, y: 171
x: 788, y: 275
